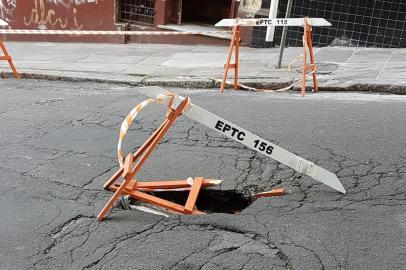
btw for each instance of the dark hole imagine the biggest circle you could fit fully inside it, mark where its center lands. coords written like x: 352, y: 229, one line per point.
x: 207, y: 12
x: 211, y: 200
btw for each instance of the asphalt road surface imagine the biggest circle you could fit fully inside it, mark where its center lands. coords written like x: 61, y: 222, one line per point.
x: 58, y: 146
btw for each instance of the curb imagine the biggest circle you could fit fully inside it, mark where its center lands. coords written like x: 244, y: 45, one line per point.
x: 181, y: 82
x: 388, y: 88
x: 206, y: 83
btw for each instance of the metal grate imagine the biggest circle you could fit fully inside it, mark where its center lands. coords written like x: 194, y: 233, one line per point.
x: 361, y: 23
x: 137, y: 11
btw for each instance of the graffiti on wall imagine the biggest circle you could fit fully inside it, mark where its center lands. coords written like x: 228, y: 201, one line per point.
x: 68, y: 3
x: 56, y: 14
x: 42, y: 17
x: 6, y: 9
x: 250, y: 7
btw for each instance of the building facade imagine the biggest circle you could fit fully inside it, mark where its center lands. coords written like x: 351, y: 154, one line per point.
x: 366, y: 23
x: 60, y: 15
x: 141, y: 15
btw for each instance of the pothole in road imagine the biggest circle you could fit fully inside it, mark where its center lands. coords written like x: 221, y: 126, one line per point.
x: 209, y: 200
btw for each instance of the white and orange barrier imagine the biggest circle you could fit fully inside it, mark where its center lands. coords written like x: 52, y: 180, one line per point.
x: 111, y: 33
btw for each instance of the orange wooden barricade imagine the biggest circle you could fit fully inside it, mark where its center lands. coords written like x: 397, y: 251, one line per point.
x: 307, y: 52
x: 137, y: 190
x: 7, y: 57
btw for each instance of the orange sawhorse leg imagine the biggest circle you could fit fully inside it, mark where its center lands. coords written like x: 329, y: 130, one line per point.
x: 7, y: 57
x: 304, y: 66
x: 164, y: 185
x: 234, y: 45
x: 136, y: 155
x: 126, y: 174
x: 143, y: 153
x: 134, y: 190
x: 312, y: 61
x: 308, y: 48
x: 237, y: 58
x: 194, y: 192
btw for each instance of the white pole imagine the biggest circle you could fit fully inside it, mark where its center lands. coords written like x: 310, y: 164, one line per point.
x: 273, y: 12
x: 284, y: 34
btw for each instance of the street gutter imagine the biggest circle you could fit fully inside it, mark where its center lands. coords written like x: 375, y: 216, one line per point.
x: 391, y: 87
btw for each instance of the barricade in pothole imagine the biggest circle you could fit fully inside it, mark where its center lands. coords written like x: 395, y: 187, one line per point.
x: 181, y: 106
x: 6, y: 56
x: 307, y: 68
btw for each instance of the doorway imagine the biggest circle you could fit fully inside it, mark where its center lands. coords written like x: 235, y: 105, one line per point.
x: 207, y: 12
x: 199, y: 16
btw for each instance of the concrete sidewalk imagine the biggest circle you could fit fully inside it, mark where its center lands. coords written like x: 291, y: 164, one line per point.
x: 357, y: 69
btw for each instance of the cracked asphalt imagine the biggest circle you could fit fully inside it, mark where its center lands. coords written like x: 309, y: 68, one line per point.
x: 58, y: 146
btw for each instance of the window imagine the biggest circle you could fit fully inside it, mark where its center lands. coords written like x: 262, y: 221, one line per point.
x: 136, y: 11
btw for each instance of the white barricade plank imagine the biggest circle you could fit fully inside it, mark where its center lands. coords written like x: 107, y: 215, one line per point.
x: 3, y: 23
x: 273, y: 22
x: 252, y: 141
